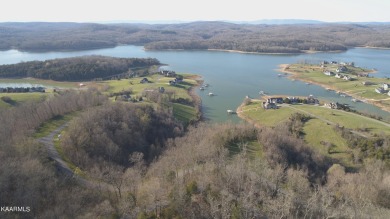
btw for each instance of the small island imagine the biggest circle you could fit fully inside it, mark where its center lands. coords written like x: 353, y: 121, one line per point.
x: 345, y: 78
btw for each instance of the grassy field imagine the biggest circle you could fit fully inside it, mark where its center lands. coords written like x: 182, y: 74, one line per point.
x: 319, y: 128
x: 183, y: 112
x: 155, y: 81
x: 45, y: 83
x: 355, y: 88
x: 18, y: 98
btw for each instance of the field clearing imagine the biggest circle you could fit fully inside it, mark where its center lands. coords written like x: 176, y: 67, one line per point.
x: 347, y: 119
x: 355, y: 87
x: 45, y: 83
x: 316, y: 132
x: 155, y: 81
x: 260, y: 116
x: 18, y: 98
x: 319, y: 131
x: 184, y: 113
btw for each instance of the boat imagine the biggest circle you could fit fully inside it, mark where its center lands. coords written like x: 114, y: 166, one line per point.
x: 355, y: 100
x: 201, y: 88
x: 230, y: 111
x: 307, y: 83
x: 211, y: 94
x: 261, y: 92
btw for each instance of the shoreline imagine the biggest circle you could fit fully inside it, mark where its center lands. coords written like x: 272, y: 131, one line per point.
x: 294, y: 75
x: 240, y: 115
x: 196, y: 98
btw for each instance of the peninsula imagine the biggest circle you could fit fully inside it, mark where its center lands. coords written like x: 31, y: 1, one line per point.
x: 346, y: 79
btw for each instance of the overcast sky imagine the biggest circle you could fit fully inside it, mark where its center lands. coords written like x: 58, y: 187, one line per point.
x: 194, y: 10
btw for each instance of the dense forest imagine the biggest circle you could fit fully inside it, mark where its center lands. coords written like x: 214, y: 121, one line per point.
x: 151, y: 167
x: 289, y: 38
x: 77, y: 68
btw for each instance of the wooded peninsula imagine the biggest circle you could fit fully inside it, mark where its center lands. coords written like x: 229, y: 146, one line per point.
x: 260, y: 38
x: 78, y: 68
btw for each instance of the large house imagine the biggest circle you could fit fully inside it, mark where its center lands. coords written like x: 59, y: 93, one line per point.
x: 275, y: 100
x: 267, y: 105
x: 333, y: 105
x: 329, y: 73
x: 168, y: 73
x: 341, y: 69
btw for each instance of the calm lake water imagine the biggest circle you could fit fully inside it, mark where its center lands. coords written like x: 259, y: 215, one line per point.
x: 232, y: 76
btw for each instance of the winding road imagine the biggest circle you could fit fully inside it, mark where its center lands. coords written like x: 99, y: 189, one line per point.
x: 62, y: 165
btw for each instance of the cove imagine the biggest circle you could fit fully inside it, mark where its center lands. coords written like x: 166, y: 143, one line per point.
x: 232, y: 76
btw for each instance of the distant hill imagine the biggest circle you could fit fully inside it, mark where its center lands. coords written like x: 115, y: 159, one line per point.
x: 265, y: 36
x: 282, y: 21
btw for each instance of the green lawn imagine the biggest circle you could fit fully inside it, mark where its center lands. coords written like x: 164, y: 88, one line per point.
x: 316, y: 131
x: 314, y: 74
x: 255, y: 112
x: 18, y: 98
x: 348, y: 120
x: 45, y: 83
x: 184, y: 113
x: 181, y: 90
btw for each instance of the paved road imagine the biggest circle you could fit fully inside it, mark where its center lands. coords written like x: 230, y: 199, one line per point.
x: 63, y: 167
x: 53, y: 153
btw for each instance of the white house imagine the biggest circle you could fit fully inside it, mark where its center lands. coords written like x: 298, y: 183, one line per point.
x: 329, y: 73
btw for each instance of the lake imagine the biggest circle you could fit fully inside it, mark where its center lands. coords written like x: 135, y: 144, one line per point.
x: 232, y: 76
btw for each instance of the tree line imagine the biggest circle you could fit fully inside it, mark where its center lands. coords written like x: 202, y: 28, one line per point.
x: 77, y: 68
x: 291, y: 38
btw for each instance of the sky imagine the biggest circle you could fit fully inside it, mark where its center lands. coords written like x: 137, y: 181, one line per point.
x: 194, y: 10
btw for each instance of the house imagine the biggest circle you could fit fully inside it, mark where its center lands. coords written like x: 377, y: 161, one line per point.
x: 168, y: 73
x: 178, y: 80
x: 338, y: 75
x: 333, y: 62
x: 293, y: 100
x: 275, y: 100
x: 329, y: 73
x: 363, y: 75
x: 385, y: 86
x: 341, y: 69
x: 333, y: 105
x: 324, y: 62
x: 380, y: 90
x: 311, y: 100
x: 144, y: 80
x: 347, y: 78
x: 173, y: 83
x: 267, y: 105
